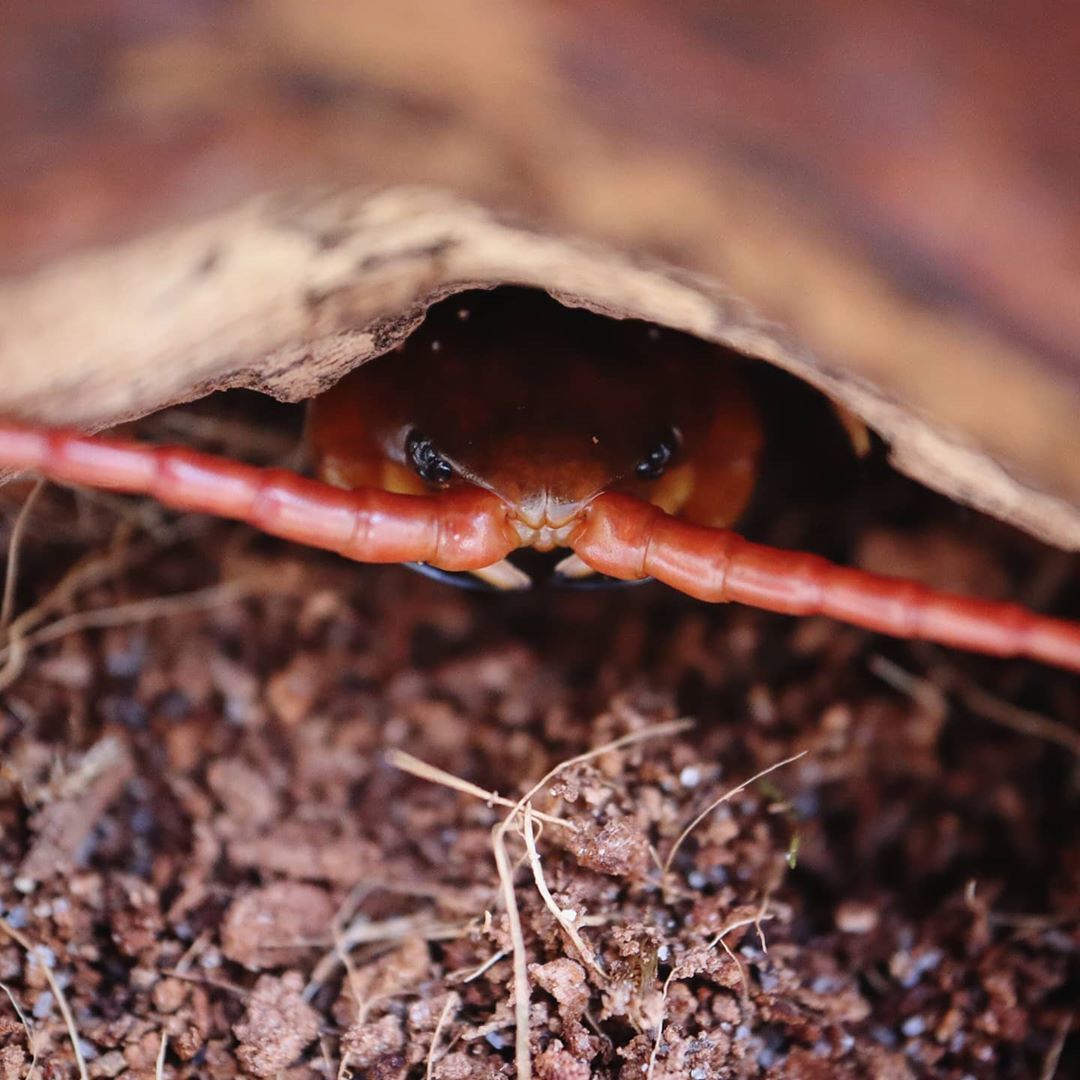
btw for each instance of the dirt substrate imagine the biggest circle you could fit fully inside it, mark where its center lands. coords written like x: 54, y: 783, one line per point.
x: 208, y: 840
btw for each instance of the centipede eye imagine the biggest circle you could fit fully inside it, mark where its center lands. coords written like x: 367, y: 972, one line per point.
x: 429, y: 464
x: 656, y: 461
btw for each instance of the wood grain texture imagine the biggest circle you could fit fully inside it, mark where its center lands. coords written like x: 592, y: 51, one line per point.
x: 878, y: 197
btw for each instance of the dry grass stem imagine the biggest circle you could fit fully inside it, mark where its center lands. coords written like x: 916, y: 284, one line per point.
x: 159, y: 1065
x: 85, y: 573
x: 659, y: 1026
x: 31, y: 1040
x: 933, y: 694
x: 369, y: 933
x: 1053, y: 1054
x: 452, y: 1003
x: 720, y: 939
x: 761, y: 917
x: 362, y: 932
x: 122, y: 554
x: 568, y: 927
x: 154, y: 607
x: 345, y: 960
x: 723, y: 799
x: 1023, y: 721
x: 330, y: 961
x: 517, y: 949
x: 489, y: 963
x: 11, y: 575
x: 506, y: 878
x: 58, y: 993
x: 754, y: 921
x: 401, y: 759
x: 922, y: 691
x: 658, y: 731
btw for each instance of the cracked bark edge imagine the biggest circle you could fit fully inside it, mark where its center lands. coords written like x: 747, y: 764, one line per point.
x: 284, y: 294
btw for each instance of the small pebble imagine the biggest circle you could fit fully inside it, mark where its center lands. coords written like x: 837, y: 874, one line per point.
x: 855, y: 917
x: 913, y: 1027
x: 690, y: 776
x: 17, y: 917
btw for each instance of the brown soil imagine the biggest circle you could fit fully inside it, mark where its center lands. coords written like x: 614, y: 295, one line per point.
x: 207, y: 839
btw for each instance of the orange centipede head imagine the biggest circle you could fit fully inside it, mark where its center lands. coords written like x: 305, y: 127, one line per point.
x: 546, y: 407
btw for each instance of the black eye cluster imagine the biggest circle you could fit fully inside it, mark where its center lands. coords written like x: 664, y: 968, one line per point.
x: 433, y: 468
x: 429, y: 464
x: 656, y: 461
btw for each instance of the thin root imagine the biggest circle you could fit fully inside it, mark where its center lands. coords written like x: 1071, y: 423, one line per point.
x: 1057, y: 1046
x: 660, y: 1026
x: 723, y: 799
x: 31, y: 1040
x: 400, y: 759
x: 571, y: 931
x: 452, y: 1003
x: 159, y: 1065
x: 11, y: 576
